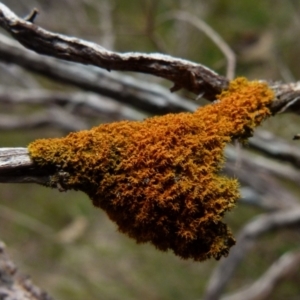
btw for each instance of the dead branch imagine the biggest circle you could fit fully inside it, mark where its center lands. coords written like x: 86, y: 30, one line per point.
x: 19, y: 26
x: 54, y: 117
x: 13, y: 285
x: 18, y: 75
x: 212, y: 34
x: 73, y: 101
x: 269, y: 144
x: 185, y: 74
x: 14, y: 158
x: 287, y: 265
x: 245, y: 240
x: 261, y: 189
x: 147, y: 96
x: 27, y: 221
x: 248, y: 161
x: 17, y: 167
x: 106, y: 25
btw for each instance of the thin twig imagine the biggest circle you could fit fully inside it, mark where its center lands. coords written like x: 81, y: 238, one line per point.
x: 259, y: 182
x: 26, y: 221
x: 193, y: 77
x: 276, y: 168
x: 211, y: 33
x: 147, y: 96
x: 275, y: 147
x: 183, y: 73
x: 254, y: 229
x: 32, y: 15
x: 262, y: 289
x: 52, y: 116
x: 14, y: 285
x: 16, y: 166
x: 75, y: 100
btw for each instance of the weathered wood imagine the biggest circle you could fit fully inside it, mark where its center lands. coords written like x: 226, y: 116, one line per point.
x: 17, y: 167
x: 145, y: 96
x: 15, y: 286
x: 245, y: 241
x: 183, y: 73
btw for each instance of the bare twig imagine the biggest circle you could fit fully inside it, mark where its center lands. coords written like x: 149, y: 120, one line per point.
x: 32, y: 15
x: 261, y: 188
x: 287, y: 265
x: 184, y: 74
x: 13, y: 285
x: 14, y: 158
x: 255, y: 228
x: 212, y: 34
x: 269, y: 144
x: 15, y: 75
x: 105, y: 9
x: 17, y: 167
x: 147, y: 96
x: 271, y: 166
x: 194, y: 77
x: 52, y: 116
x: 288, y: 97
x: 72, y: 100
x: 26, y: 221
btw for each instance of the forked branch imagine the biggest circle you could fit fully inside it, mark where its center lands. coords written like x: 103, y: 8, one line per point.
x: 184, y: 74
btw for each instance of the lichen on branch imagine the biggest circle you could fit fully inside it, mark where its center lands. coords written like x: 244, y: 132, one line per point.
x: 159, y: 179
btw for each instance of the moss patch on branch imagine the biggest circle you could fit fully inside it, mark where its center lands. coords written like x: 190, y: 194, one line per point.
x: 159, y: 179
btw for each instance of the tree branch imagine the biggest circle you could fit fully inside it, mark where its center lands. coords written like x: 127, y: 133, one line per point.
x: 185, y: 74
x: 53, y: 116
x: 17, y: 167
x: 287, y: 265
x: 260, y: 190
x: 147, y: 96
x: 210, y: 33
x: 197, y: 78
x: 260, y: 187
x: 269, y: 144
x: 76, y: 100
x: 13, y: 285
x: 249, y: 161
x: 245, y: 240
x: 15, y: 163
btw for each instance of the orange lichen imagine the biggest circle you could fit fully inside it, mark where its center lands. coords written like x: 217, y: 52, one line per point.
x: 159, y: 179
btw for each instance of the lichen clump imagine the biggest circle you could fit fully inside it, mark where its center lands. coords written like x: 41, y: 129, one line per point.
x: 159, y: 179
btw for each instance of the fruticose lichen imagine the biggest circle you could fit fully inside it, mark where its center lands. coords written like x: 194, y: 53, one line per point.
x: 159, y: 179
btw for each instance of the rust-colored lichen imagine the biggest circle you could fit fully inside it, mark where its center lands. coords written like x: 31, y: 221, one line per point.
x: 159, y: 179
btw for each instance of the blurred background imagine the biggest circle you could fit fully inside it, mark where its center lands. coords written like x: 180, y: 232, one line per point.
x: 70, y: 248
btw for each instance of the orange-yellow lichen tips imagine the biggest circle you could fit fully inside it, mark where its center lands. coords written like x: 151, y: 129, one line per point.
x: 159, y: 179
